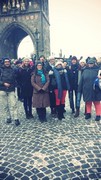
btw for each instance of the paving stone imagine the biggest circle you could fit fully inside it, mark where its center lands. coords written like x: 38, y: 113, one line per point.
x: 54, y: 150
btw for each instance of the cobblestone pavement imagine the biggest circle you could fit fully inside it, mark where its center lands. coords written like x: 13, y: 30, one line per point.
x: 55, y: 150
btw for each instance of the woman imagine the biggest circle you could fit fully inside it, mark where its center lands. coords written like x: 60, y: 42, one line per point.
x: 61, y: 87
x: 40, y: 83
x: 91, y: 92
x: 25, y: 73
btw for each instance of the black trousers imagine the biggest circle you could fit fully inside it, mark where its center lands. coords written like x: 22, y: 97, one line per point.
x: 52, y: 101
x: 73, y: 99
x: 41, y: 113
x: 27, y: 103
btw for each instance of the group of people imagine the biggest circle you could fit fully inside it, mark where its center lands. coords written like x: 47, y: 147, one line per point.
x: 45, y: 83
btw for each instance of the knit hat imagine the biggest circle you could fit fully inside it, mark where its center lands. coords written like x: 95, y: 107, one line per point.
x: 91, y: 61
x: 39, y: 63
x: 74, y: 58
x: 82, y: 61
x: 58, y: 63
x: 6, y: 59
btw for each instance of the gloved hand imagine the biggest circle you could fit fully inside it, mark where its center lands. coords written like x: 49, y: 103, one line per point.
x: 41, y: 91
x: 50, y: 72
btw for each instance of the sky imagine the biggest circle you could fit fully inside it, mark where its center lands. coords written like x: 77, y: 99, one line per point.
x: 75, y: 27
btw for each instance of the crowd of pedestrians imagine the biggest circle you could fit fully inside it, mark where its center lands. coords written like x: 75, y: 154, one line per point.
x: 50, y: 83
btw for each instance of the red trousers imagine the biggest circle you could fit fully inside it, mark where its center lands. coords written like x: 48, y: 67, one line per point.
x: 62, y: 100
x: 97, y: 105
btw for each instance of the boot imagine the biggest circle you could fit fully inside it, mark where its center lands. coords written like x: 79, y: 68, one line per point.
x: 59, y: 115
x: 62, y: 111
x: 76, y: 113
x: 27, y: 116
x: 88, y: 116
x: 97, y: 118
x: 9, y: 120
x: 17, y: 122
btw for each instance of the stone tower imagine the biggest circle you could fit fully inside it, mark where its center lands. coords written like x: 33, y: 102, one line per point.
x: 20, y: 18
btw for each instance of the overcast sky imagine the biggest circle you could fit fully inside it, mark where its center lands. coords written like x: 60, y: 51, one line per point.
x: 75, y: 27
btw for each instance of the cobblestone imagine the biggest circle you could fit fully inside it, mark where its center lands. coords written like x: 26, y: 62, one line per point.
x: 55, y: 150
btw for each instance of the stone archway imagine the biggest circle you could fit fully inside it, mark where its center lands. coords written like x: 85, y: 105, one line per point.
x: 11, y: 37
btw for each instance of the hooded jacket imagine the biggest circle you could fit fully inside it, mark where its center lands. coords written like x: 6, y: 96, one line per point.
x: 7, y: 75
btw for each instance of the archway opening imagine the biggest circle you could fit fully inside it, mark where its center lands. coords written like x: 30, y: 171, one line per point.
x: 16, y: 42
x: 25, y: 48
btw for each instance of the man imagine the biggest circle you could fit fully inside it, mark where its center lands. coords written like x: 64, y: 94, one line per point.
x: 73, y: 80
x: 7, y: 91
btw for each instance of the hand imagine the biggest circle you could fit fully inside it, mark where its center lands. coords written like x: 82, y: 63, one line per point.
x: 7, y: 84
x: 41, y: 91
x: 50, y: 72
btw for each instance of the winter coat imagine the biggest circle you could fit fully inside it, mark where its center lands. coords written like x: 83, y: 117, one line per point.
x: 40, y: 99
x: 24, y: 80
x: 51, y: 77
x: 86, y: 85
x: 73, y: 77
x: 7, y: 75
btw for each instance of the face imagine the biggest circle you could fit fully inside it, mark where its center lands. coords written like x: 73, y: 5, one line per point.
x: 26, y: 62
x: 59, y: 66
x: 42, y: 59
x: 52, y: 61
x: 82, y: 64
x: 7, y: 63
x: 39, y: 66
x: 90, y: 65
x: 74, y: 61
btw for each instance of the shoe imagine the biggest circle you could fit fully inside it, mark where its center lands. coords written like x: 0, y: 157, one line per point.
x: 87, y: 116
x: 64, y: 110
x: 97, y: 118
x: 27, y: 116
x: 30, y: 116
x: 45, y: 120
x: 76, y: 114
x: 73, y: 111
x: 8, y: 120
x: 17, y: 122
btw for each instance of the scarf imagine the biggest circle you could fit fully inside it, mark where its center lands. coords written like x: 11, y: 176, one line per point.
x: 43, y: 78
x: 57, y: 73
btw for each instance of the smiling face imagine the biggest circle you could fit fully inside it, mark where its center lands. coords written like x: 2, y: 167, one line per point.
x: 39, y: 66
x: 26, y: 62
x: 7, y: 62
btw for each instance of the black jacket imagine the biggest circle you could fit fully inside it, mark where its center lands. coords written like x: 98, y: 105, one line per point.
x: 7, y: 75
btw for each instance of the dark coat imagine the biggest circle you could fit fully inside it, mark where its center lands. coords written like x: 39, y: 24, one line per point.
x: 73, y: 76
x: 7, y: 75
x: 24, y: 80
x: 86, y: 85
x: 40, y: 99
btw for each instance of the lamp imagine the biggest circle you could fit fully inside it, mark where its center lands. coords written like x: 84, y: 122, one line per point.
x: 37, y: 34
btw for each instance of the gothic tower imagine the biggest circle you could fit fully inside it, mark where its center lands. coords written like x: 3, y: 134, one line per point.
x: 20, y: 18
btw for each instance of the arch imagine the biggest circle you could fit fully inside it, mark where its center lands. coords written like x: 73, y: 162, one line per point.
x: 11, y: 37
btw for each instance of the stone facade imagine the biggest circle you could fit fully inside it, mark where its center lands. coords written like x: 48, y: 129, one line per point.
x: 15, y: 24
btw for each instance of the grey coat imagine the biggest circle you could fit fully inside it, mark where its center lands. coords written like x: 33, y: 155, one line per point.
x: 40, y: 99
x: 86, y: 85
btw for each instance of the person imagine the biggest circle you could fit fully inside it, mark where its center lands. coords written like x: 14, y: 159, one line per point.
x: 60, y: 88
x: 82, y: 66
x: 73, y: 80
x: 24, y: 80
x: 91, y: 91
x: 18, y: 65
x: 40, y: 83
x: 44, y: 61
x: 50, y: 71
x: 7, y: 91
